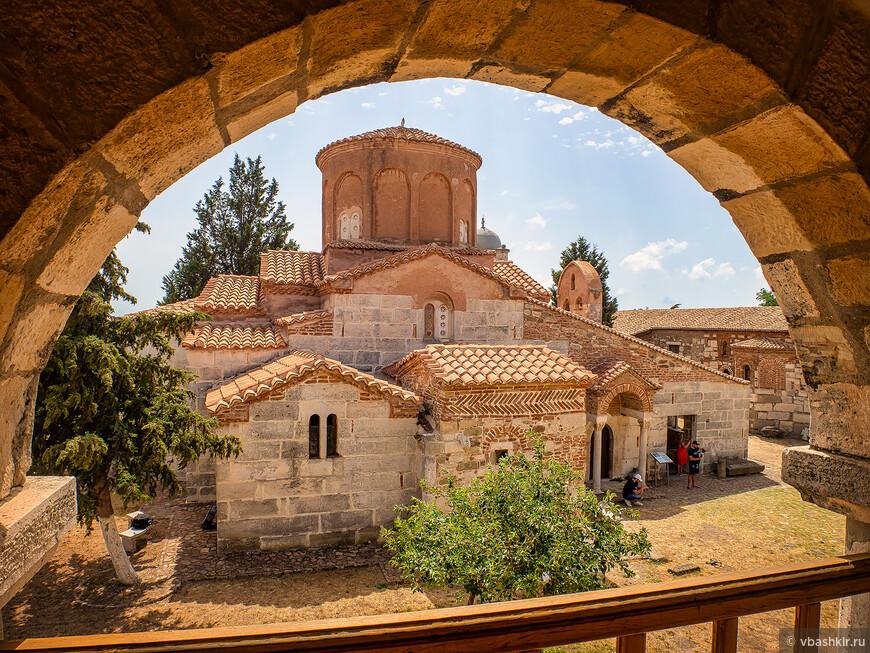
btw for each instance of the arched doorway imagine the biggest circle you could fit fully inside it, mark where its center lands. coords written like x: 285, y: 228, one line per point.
x: 606, y: 453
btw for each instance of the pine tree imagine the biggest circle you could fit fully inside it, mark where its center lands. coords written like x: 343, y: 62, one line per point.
x: 112, y: 412
x: 581, y: 250
x: 235, y: 227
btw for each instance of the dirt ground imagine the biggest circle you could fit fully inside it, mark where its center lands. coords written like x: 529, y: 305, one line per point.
x: 725, y: 525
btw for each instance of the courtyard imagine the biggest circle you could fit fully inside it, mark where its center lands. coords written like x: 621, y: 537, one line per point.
x: 726, y: 525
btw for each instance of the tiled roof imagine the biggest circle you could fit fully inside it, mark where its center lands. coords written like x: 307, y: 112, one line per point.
x: 629, y: 338
x: 234, y: 336
x: 411, y: 255
x: 516, y: 277
x: 285, y: 266
x: 230, y: 292
x: 184, y: 307
x: 290, y: 369
x: 764, y: 343
x: 398, y: 133
x: 468, y: 365
x: 608, y: 372
x: 396, y: 247
x: 299, y: 318
x: 739, y: 318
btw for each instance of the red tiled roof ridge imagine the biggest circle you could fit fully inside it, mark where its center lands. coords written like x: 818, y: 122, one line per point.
x: 529, y: 284
x: 412, y: 255
x: 182, y: 307
x: 609, y: 372
x: 399, y: 132
x: 304, y: 316
x: 239, y: 293
x: 725, y: 318
x: 293, y: 366
x: 234, y: 335
x: 636, y: 340
x: 763, y: 343
x: 305, y: 268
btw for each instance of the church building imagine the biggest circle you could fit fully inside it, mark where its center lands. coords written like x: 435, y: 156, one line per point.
x: 410, y: 347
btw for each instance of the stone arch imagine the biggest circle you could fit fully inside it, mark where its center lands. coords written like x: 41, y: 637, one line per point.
x: 348, y: 213
x: 391, y: 197
x: 465, y: 208
x: 639, y: 398
x: 435, y: 213
x: 511, y: 437
x: 781, y: 144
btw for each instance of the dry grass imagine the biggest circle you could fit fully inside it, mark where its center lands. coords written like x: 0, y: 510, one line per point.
x: 735, y: 524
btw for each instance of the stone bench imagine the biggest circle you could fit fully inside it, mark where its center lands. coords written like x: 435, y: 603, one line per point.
x: 743, y: 467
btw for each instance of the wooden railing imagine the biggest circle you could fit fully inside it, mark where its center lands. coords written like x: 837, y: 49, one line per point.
x: 626, y: 613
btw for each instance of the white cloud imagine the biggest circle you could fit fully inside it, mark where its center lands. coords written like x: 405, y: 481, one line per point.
x: 650, y: 256
x: 272, y: 136
x: 700, y: 270
x: 552, y: 107
x: 504, y: 192
x: 558, y: 204
x: 537, y: 220
x: 619, y: 292
x: 382, y: 94
x: 436, y: 102
x: 368, y: 105
x: 724, y: 271
x: 566, y: 121
x: 455, y: 91
x: 539, y: 247
x: 526, y: 118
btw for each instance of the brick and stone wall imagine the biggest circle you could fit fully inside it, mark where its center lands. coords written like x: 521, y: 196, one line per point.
x: 273, y: 496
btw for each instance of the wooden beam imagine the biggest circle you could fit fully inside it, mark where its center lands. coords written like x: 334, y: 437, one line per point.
x: 724, y: 638
x: 807, y: 617
x: 514, y: 625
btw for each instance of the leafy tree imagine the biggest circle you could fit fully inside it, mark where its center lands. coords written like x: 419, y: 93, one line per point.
x: 581, y: 250
x: 527, y: 528
x: 235, y: 227
x: 766, y: 298
x: 112, y: 412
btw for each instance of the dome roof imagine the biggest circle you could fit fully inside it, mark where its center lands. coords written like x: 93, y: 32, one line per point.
x: 401, y: 133
x: 487, y: 238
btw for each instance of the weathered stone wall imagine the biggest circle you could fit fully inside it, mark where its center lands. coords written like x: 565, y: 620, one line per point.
x: 273, y: 496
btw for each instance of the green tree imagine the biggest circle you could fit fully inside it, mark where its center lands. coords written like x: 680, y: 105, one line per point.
x: 112, y: 412
x: 765, y: 298
x: 581, y: 250
x: 526, y: 528
x: 235, y: 227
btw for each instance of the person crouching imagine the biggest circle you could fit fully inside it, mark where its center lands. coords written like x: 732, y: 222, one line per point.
x: 633, y: 489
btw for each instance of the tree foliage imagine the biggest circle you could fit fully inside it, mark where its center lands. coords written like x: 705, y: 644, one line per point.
x: 235, y: 226
x: 527, y: 528
x: 766, y: 298
x: 110, y: 409
x: 582, y: 250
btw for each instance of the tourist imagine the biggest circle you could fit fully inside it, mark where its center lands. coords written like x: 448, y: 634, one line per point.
x: 695, y: 452
x: 633, y: 490
x: 681, y: 456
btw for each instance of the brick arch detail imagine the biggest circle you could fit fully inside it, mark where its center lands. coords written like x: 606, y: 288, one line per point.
x: 627, y: 387
x: 791, y: 186
x: 505, y: 433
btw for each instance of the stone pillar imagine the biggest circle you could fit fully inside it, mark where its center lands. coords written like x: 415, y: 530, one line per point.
x: 855, y: 610
x: 596, y: 457
x: 641, y: 451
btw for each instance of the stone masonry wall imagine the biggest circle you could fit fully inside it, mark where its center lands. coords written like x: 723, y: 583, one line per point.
x: 273, y: 496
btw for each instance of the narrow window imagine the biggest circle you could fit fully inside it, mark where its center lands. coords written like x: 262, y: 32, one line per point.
x: 344, y: 227
x: 573, y: 281
x: 724, y: 349
x: 498, y: 454
x: 567, y: 305
x: 429, y: 321
x: 331, y: 436
x: 314, y: 436
x: 747, y: 373
x: 354, y: 226
x: 674, y: 348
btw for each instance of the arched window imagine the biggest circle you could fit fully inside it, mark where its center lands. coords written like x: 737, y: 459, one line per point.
x: 725, y: 370
x: 314, y: 436
x: 573, y: 282
x: 567, y: 305
x: 438, y: 318
x: 747, y: 373
x: 331, y: 436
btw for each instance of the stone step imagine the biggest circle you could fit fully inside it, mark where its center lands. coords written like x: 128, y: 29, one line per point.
x: 680, y: 570
x: 743, y: 467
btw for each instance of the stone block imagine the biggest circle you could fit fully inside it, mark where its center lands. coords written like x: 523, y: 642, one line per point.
x: 346, y: 520
x: 332, y: 539
x: 850, y: 280
x: 248, y: 528
x: 261, y: 450
x: 767, y: 224
x: 743, y: 467
x: 278, y: 542
x: 495, y: 74
x: 317, y: 467
x: 368, y: 409
x: 832, y: 481
x: 382, y: 499
x: 261, y: 114
x: 325, y: 503
x: 716, y: 167
x: 251, y: 509
x: 166, y: 138
x: 257, y: 64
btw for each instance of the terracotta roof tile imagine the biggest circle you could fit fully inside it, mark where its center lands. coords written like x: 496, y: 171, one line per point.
x: 300, y: 318
x: 230, y: 292
x: 292, y: 368
x: 609, y: 372
x: 398, y: 133
x: 764, y: 343
x: 184, y: 307
x: 286, y: 266
x: 411, y: 255
x: 630, y: 338
x: 234, y: 336
x: 463, y: 365
x: 518, y: 278
x: 739, y: 318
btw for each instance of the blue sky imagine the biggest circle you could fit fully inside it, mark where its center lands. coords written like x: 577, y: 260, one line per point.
x: 552, y: 170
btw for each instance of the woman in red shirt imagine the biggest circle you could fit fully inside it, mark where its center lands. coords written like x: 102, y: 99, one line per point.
x: 682, y: 457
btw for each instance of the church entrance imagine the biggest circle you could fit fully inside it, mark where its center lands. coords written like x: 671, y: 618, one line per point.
x: 606, y: 455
